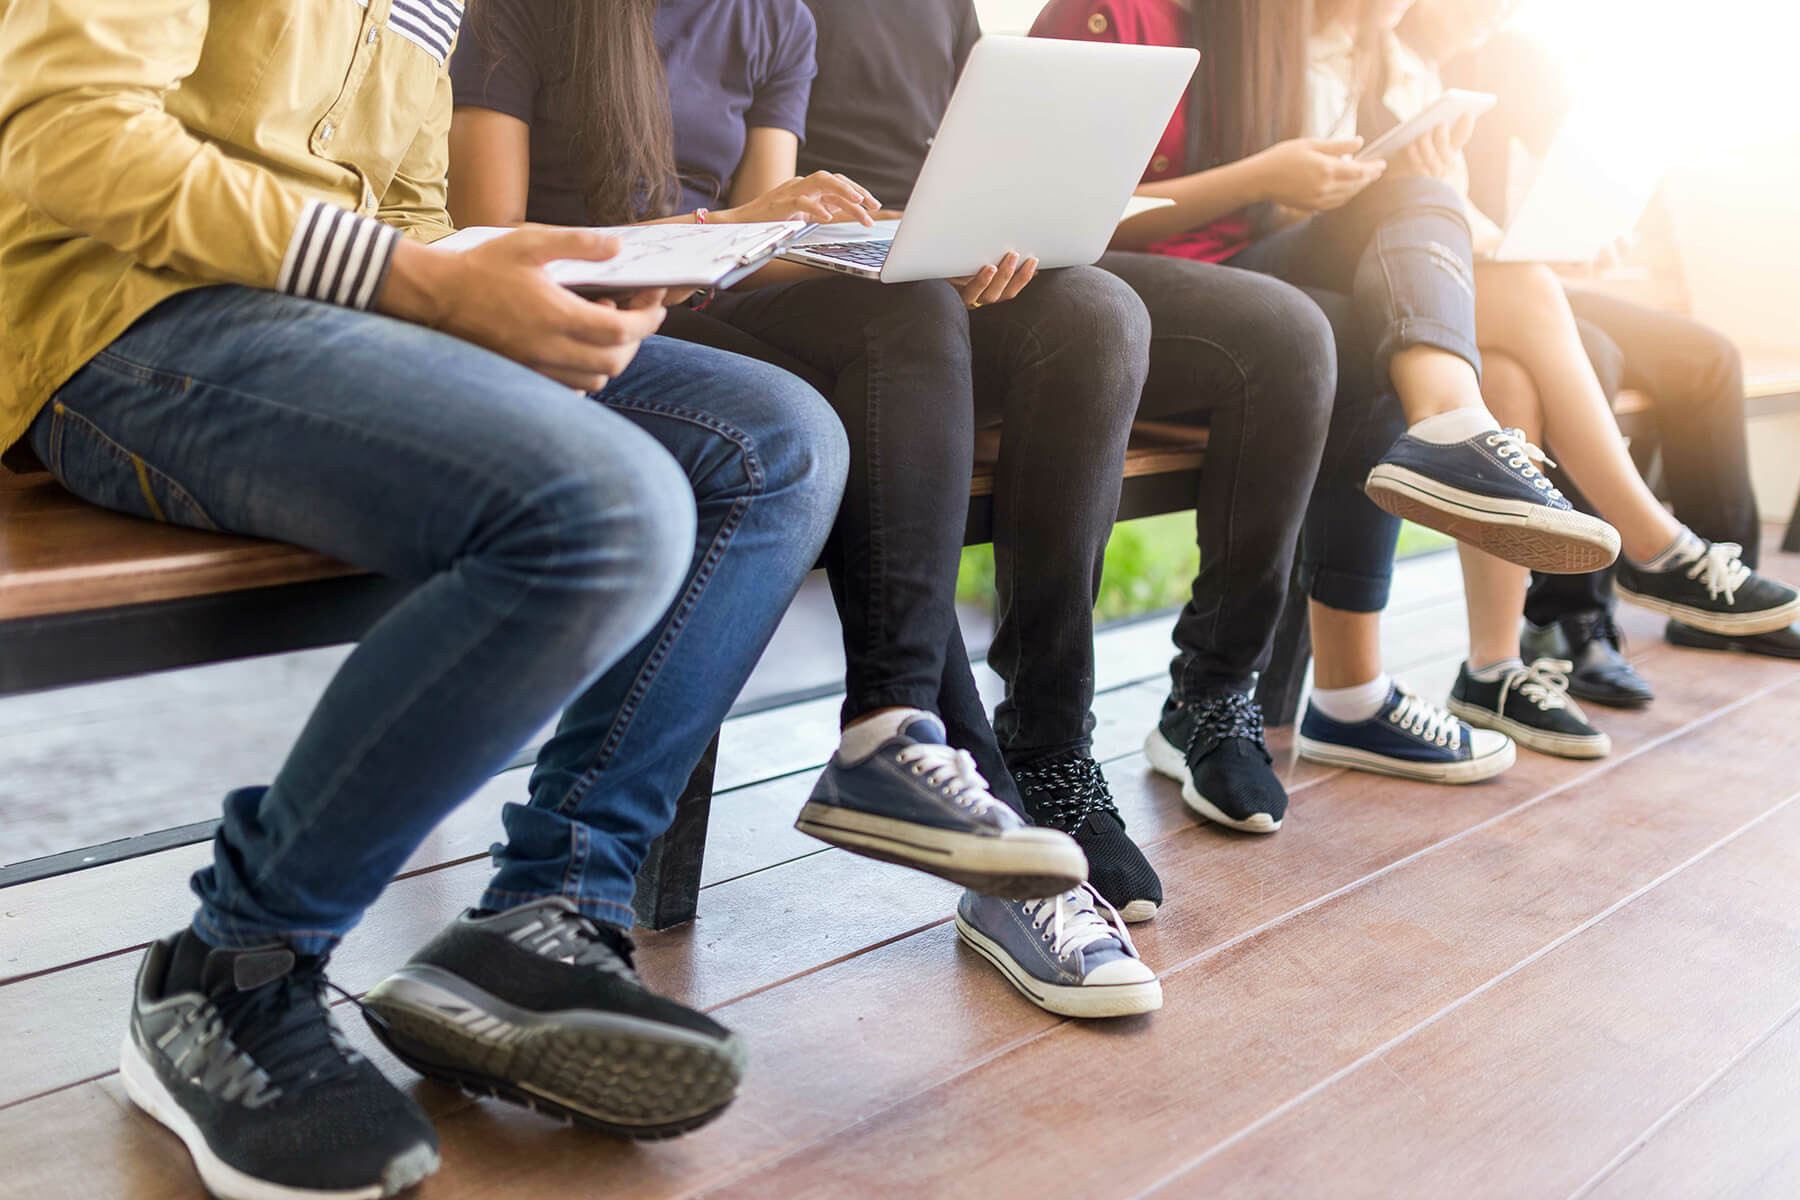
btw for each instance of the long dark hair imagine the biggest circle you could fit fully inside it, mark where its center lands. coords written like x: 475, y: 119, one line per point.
x: 1251, y: 90
x: 607, y: 80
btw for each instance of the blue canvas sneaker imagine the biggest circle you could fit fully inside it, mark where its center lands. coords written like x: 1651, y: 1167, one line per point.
x: 1488, y: 492
x: 1409, y: 737
x: 920, y: 803
x: 1067, y: 954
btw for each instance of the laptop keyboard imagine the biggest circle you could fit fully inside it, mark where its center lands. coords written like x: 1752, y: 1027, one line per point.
x: 863, y: 254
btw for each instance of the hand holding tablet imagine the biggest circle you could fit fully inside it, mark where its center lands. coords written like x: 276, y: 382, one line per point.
x: 1447, y: 109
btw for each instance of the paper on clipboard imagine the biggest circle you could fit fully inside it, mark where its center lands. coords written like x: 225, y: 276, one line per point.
x: 653, y: 256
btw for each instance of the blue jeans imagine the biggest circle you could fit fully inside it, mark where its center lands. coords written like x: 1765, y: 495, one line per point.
x: 558, y: 557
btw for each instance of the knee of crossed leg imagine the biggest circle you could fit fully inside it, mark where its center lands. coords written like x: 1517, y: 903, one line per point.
x: 594, y: 539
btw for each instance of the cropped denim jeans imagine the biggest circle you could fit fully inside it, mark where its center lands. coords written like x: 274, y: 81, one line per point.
x: 630, y: 552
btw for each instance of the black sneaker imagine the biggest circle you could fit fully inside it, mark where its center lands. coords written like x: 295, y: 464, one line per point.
x: 1714, y: 593
x: 1530, y: 705
x: 1592, y: 644
x: 237, y: 1053
x: 1780, y: 643
x: 540, y: 1005
x: 1488, y: 492
x: 1214, y: 746
x: 1069, y: 792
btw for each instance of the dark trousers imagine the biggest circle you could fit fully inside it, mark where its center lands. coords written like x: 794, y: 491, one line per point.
x: 1252, y: 359
x: 1696, y: 379
x: 1392, y: 269
x: 912, y: 373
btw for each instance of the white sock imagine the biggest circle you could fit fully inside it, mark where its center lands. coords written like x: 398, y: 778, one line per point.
x: 1496, y: 671
x: 1352, y: 704
x: 865, y: 737
x: 1686, y: 547
x: 1457, y: 425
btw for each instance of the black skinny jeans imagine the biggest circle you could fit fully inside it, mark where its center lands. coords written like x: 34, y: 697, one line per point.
x: 1697, y: 379
x: 1252, y: 359
x: 912, y: 373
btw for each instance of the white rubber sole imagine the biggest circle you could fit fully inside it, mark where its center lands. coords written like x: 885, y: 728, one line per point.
x: 221, y: 1178
x: 1096, y: 1001
x: 1137, y: 912
x: 1725, y: 624
x: 1167, y: 760
x: 1024, y: 864
x: 1551, y: 540
x: 1561, y: 745
x: 1472, y: 771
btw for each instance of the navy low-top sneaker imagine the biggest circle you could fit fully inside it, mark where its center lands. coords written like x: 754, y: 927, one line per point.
x: 1714, y: 593
x: 920, y: 803
x: 1067, y: 954
x: 1214, y: 745
x: 1488, y: 492
x: 1530, y: 705
x: 1595, y: 650
x: 1408, y: 737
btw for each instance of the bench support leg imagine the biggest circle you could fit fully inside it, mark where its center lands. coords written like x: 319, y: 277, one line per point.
x: 1791, y: 543
x: 668, y: 884
x: 1281, y: 685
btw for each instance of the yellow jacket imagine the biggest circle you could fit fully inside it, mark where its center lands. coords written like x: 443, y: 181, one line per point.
x: 151, y: 146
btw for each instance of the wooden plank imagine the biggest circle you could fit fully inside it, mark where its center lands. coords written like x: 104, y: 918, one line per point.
x: 1252, y: 1021
x: 1574, y: 1053
x: 1733, y: 1137
x: 839, y: 1043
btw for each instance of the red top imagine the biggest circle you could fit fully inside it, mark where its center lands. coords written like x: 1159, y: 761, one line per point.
x: 1149, y: 23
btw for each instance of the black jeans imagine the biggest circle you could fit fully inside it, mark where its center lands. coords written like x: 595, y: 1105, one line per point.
x: 1394, y: 268
x: 912, y: 373
x: 1697, y: 380
x: 1252, y: 359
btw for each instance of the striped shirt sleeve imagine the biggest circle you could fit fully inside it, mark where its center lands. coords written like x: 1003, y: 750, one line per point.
x: 337, y: 256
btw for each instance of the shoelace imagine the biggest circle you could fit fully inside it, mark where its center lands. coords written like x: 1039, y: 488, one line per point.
x: 1225, y: 715
x: 952, y: 772
x: 1075, y: 922
x: 1605, y: 629
x: 1064, y: 792
x: 1426, y: 720
x: 579, y: 940
x: 1523, y: 457
x: 285, y: 1028
x: 1721, y: 570
x: 1544, y: 683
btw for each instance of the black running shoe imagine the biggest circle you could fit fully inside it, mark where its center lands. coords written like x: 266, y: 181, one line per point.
x: 1592, y: 644
x: 1530, y: 705
x: 1714, y: 593
x: 540, y: 1005
x: 1069, y: 792
x: 1780, y: 643
x: 1214, y: 746
x: 237, y: 1053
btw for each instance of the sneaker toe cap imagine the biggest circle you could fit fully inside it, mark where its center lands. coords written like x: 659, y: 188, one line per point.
x: 1486, y: 743
x: 1118, y: 971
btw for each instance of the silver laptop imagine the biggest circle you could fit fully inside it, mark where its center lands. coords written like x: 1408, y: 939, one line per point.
x: 1042, y: 145
x: 1591, y: 189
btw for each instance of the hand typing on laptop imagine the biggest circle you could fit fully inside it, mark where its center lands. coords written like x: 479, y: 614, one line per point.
x: 822, y: 197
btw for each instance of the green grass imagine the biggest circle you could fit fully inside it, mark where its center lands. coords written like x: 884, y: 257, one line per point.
x: 1150, y: 565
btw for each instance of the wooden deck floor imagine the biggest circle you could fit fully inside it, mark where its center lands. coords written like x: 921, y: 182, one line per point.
x: 1580, y: 979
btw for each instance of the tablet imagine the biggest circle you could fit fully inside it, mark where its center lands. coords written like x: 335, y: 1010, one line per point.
x: 1447, y: 109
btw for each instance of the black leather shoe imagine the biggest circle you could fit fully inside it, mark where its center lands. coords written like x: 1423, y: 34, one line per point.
x: 1591, y: 641
x: 1783, y: 643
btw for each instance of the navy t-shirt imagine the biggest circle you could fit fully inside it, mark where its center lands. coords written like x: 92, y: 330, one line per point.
x: 886, y: 71
x: 733, y: 65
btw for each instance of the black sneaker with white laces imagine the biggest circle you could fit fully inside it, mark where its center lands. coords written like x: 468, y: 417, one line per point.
x: 540, y: 1005
x: 1531, y: 705
x: 1713, y: 592
x: 1214, y: 745
x: 236, y: 1052
x: 1069, y: 792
